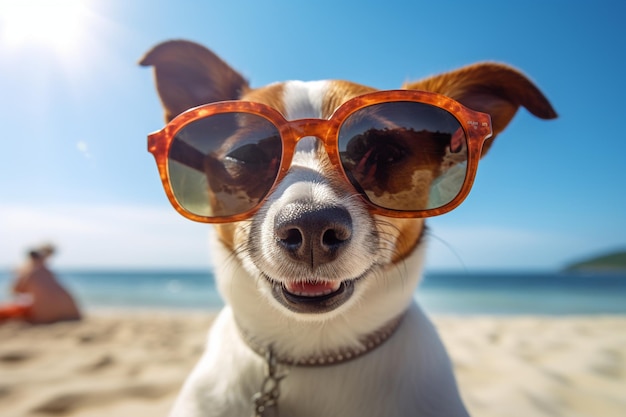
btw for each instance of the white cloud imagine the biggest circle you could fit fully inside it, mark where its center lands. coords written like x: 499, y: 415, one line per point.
x: 104, y: 236
x: 83, y: 149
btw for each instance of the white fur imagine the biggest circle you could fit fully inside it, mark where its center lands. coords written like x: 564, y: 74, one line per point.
x: 304, y: 99
x: 408, y: 375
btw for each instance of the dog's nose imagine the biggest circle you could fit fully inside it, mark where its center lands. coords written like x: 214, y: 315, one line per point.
x: 313, y: 234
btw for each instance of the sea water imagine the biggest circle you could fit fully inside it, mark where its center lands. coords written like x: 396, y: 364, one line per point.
x: 500, y: 293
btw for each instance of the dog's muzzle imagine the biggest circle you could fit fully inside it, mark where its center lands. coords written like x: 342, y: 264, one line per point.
x: 312, y: 236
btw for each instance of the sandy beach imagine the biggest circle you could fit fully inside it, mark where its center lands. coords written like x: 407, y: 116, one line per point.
x: 133, y: 363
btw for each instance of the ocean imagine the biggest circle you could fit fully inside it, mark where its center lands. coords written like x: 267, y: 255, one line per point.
x: 455, y: 293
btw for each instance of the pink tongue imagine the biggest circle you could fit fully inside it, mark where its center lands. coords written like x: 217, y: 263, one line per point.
x: 312, y: 288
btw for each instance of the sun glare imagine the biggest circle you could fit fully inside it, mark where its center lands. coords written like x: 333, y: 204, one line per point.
x: 57, y: 25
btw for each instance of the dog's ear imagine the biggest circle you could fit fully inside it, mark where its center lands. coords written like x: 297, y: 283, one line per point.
x: 188, y: 75
x: 492, y: 88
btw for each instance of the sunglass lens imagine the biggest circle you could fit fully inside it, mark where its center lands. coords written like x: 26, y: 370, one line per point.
x: 225, y: 164
x: 404, y: 156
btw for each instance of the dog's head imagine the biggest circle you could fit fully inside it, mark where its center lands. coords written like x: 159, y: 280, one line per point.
x: 313, y: 248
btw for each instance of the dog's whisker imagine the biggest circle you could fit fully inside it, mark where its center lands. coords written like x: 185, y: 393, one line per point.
x: 431, y: 235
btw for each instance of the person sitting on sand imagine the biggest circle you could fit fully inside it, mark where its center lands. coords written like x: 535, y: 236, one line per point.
x: 40, y: 298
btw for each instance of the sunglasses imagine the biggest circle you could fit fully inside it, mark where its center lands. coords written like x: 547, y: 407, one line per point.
x: 407, y: 154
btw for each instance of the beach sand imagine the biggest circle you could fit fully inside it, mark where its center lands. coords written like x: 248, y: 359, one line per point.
x: 131, y: 364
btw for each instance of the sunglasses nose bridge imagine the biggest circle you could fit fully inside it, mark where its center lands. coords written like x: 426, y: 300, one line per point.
x: 309, y: 127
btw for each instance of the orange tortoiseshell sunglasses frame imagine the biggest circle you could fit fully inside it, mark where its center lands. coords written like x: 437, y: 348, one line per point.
x: 476, y: 125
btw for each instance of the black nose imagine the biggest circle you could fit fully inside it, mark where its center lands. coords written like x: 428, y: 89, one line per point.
x: 312, y: 234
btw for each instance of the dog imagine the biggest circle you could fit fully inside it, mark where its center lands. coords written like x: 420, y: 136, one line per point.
x: 318, y: 251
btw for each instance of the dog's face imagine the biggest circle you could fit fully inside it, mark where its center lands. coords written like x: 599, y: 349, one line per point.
x: 314, y: 250
x: 315, y: 245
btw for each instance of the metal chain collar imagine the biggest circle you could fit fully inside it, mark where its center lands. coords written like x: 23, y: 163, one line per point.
x: 266, y: 400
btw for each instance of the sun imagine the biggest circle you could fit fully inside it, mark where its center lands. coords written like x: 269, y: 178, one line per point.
x: 56, y: 25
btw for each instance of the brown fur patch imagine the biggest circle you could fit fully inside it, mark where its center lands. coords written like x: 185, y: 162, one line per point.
x: 226, y: 234
x: 187, y: 75
x: 496, y: 89
x: 271, y: 95
x: 407, y: 234
x: 339, y: 92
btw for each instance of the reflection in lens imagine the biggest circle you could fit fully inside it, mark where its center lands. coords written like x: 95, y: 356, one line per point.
x: 224, y: 164
x: 404, y: 156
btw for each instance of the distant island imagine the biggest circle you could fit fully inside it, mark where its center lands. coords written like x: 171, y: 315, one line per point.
x: 615, y: 261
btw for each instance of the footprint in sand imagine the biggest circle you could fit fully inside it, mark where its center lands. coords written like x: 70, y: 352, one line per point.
x: 105, y: 361
x: 63, y: 403
x: 15, y: 357
x: 608, y: 364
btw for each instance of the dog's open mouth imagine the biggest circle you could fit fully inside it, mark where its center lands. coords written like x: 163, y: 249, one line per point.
x: 312, y: 296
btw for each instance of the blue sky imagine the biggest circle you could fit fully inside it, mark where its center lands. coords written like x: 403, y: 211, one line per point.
x: 76, y: 110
